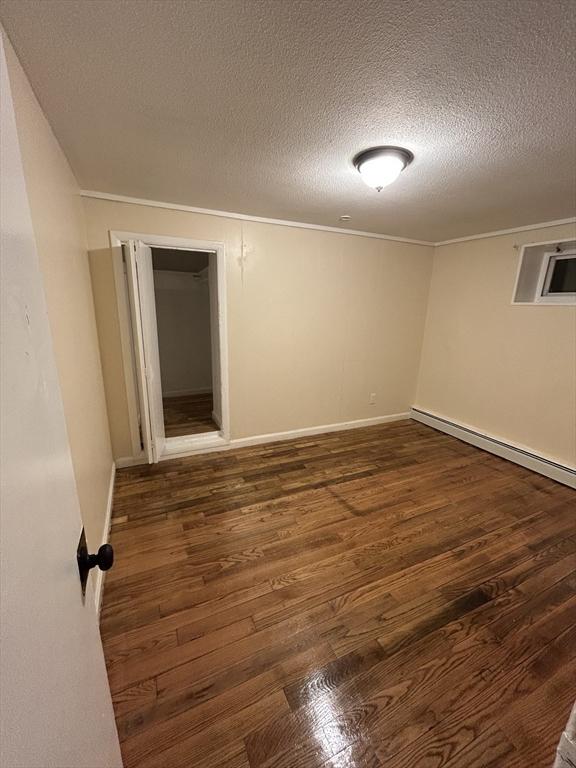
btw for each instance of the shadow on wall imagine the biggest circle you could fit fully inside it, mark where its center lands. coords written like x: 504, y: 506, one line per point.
x: 113, y: 326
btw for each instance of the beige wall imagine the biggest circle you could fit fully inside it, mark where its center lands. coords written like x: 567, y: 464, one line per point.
x: 316, y: 320
x: 59, y: 228
x: 509, y: 371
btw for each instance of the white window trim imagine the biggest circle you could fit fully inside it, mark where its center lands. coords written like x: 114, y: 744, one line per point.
x: 567, y: 300
x: 546, y: 271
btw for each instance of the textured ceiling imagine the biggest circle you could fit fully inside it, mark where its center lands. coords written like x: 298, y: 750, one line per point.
x: 258, y: 106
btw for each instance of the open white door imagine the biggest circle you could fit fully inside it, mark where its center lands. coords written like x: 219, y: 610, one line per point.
x: 55, y: 700
x: 139, y: 265
x: 215, y: 339
x: 129, y: 252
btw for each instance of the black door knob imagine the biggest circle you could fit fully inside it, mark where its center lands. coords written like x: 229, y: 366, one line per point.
x: 104, y: 559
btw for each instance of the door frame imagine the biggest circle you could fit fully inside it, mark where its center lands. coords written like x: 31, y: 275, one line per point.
x: 137, y: 400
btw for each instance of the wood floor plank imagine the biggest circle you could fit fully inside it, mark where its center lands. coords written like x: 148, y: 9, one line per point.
x: 188, y: 414
x: 150, y: 662
x: 140, y: 715
x: 386, y: 596
x: 184, y: 745
x: 531, y: 724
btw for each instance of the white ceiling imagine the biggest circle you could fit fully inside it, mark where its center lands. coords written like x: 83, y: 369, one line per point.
x: 258, y: 106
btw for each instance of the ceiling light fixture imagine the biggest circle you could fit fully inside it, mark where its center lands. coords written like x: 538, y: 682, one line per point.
x: 381, y: 166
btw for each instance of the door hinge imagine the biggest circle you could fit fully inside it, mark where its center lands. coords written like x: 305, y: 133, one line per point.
x: 141, y: 435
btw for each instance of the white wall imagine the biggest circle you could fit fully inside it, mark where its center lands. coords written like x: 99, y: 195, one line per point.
x: 55, y: 704
x: 183, y: 317
x: 505, y: 370
x: 317, y: 320
x: 60, y: 231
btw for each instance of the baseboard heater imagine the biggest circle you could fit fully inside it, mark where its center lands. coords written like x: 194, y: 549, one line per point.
x: 544, y: 466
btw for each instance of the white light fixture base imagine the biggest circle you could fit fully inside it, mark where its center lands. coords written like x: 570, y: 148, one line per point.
x: 380, y: 166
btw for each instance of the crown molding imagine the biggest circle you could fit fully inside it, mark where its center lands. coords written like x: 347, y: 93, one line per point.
x: 318, y: 227
x: 246, y: 217
x: 512, y: 231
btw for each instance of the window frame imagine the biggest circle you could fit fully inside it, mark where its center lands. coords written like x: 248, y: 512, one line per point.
x: 545, y: 278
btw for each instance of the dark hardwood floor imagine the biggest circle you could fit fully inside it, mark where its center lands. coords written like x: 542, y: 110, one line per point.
x: 188, y: 415
x: 381, y: 598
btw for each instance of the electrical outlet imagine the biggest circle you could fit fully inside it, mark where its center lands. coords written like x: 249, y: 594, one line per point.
x: 372, y: 400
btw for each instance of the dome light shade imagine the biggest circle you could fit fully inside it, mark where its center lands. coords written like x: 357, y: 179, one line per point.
x: 381, y: 166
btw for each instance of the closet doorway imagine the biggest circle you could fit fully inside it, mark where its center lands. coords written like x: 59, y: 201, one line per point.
x: 175, y: 290
x: 182, y: 301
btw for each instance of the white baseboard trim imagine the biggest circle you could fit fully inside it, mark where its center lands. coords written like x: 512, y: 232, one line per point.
x: 100, y: 575
x: 271, y: 437
x: 182, y: 392
x: 566, y: 753
x: 131, y: 461
x: 292, y: 434
x: 515, y: 453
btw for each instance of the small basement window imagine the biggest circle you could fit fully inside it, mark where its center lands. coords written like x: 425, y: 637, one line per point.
x: 560, y: 275
x: 547, y: 274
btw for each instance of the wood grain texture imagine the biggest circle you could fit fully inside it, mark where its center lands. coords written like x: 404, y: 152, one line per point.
x: 381, y: 597
x: 188, y: 415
